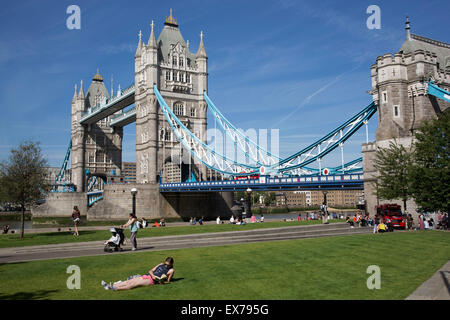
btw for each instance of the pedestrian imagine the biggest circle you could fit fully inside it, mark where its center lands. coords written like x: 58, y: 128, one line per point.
x: 376, y: 222
x: 162, y: 222
x: 421, y: 223
x: 194, y: 222
x: 299, y: 218
x: 409, y: 221
x: 191, y: 221
x: 76, y: 215
x: 218, y: 220
x: 445, y: 221
x: 5, y: 229
x: 232, y: 219
x: 133, y: 230
x: 200, y: 221
x: 253, y: 218
x: 262, y: 218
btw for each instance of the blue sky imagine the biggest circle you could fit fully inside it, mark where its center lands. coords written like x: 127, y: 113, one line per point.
x: 300, y: 66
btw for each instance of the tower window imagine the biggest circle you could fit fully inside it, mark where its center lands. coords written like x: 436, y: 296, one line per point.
x: 193, y: 113
x: 174, y: 61
x: 181, y: 62
x: 384, y: 97
x: 178, y: 109
x: 167, y: 75
x: 396, y: 111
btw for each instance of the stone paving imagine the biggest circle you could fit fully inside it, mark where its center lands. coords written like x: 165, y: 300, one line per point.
x: 93, y: 248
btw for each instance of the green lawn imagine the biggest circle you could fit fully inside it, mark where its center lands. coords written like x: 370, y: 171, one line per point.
x: 31, y: 239
x: 322, y: 268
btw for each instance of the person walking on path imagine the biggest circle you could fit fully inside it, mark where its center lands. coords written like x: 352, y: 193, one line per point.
x: 133, y: 229
x: 76, y: 215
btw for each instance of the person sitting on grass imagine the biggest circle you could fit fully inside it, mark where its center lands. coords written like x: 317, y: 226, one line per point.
x: 160, y: 274
x: 381, y: 227
x: 5, y: 229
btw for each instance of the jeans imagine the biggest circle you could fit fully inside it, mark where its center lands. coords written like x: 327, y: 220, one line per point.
x: 133, y: 240
x: 375, y: 226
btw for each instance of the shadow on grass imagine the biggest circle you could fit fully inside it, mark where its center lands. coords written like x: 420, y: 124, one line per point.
x: 40, y: 294
x: 176, y: 279
x: 64, y: 233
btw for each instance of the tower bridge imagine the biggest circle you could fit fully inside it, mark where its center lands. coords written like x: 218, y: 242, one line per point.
x: 176, y: 167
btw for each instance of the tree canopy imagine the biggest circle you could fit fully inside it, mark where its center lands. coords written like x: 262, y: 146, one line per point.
x: 23, y: 176
x: 430, y: 172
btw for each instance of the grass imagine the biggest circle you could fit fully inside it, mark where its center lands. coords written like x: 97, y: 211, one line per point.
x: 32, y: 239
x: 321, y: 268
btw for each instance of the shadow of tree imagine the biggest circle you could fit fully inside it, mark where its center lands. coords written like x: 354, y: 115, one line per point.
x: 36, y: 295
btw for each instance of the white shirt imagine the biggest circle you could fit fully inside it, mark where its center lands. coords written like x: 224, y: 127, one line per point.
x: 218, y: 220
x: 115, y: 239
x: 231, y: 219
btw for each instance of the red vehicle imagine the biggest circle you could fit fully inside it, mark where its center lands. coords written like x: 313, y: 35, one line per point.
x: 254, y: 176
x: 393, y: 212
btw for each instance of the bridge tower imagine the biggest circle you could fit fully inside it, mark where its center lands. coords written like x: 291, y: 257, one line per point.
x: 181, y: 77
x: 96, y: 148
x: 399, y: 90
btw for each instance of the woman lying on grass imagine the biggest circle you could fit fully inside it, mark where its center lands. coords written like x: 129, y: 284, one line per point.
x: 161, y: 274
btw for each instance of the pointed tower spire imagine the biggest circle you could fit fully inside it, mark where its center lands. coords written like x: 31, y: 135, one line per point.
x: 139, y: 47
x: 81, y: 93
x: 75, y: 93
x: 408, y: 32
x: 152, y: 39
x: 201, y: 48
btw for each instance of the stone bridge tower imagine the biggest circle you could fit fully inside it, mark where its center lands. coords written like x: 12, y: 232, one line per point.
x: 96, y: 148
x: 181, y: 77
x: 399, y: 89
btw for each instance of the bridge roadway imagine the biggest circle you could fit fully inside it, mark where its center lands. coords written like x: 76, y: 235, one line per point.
x: 95, y: 248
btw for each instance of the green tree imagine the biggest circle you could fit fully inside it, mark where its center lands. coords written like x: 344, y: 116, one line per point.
x: 430, y: 173
x: 23, y: 176
x: 393, y: 165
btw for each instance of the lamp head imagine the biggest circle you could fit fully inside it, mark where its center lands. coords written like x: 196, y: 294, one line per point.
x: 134, y: 191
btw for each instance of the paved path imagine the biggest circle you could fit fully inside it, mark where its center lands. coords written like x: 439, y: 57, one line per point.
x: 94, y: 248
x: 435, y: 288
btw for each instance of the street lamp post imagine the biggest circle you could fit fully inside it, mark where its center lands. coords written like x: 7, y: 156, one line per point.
x: 134, y: 193
x: 249, y: 201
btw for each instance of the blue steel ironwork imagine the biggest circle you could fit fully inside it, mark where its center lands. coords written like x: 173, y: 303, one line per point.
x: 109, y: 104
x: 286, y: 165
x: 124, y: 117
x: 59, y: 178
x: 258, y: 154
x: 330, y: 142
x: 91, y: 182
x: 94, y: 196
x: 201, y: 151
x: 438, y: 92
x: 347, y: 181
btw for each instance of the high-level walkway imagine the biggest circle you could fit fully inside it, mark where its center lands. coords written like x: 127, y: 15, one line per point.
x: 95, y: 248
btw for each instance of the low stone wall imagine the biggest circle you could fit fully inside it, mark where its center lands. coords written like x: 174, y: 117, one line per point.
x: 151, y: 204
x: 60, y: 204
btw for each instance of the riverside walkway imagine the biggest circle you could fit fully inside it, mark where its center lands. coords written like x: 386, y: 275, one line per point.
x: 94, y: 248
